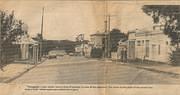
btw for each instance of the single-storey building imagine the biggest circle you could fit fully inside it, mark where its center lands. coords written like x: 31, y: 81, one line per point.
x: 151, y: 45
x: 97, y: 40
x: 29, y: 49
x: 79, y: 50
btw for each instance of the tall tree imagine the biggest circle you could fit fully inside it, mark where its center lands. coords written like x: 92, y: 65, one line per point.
x: 11, y: 30
x: 115, y: 36
x: 168, y: 16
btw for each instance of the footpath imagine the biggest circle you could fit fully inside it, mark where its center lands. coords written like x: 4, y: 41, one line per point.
x: 157, y: 67
x: 15, y: 70
x: 151, y: 66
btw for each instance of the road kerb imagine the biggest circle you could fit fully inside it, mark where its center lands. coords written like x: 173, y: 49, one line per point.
x: 21, y: 73
x: 176, y: 75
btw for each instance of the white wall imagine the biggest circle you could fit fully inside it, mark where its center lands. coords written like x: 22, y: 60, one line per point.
x: 159, y: 46
x: 97, y: 41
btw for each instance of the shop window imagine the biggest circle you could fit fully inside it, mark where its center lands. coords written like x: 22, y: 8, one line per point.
x: 147, y: 48
x: 142, y: 42
x: 159, y: 49
x: 138, y: 43
x: 167, y: 43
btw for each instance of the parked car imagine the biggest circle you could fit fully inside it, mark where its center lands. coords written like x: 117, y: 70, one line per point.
x: 61, y: 52
x: 71, y: 54
x: 52, y: 54
x: 56, y: 53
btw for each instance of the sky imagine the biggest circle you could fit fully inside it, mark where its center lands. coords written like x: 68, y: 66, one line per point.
x: 64, y: 20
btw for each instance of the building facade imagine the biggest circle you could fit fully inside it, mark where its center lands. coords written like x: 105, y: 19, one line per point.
x: 79, y: 50
x: 29, y: 49
x: 149, y: 45
x: 122, y: 50
x: 97, y: 40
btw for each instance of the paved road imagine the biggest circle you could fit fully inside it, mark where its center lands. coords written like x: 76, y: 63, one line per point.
x: 79, y: 70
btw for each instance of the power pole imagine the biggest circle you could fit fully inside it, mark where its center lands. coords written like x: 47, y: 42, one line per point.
x: 107, y: 46
x: 106, y: 30
x: 83, y: 53
x: 41, y: 38
x: 42, y: 23
x: 106, y: 41
x: 0, y: 40
x: 108, y: 38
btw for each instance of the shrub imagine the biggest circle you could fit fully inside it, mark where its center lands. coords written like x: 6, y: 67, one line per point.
x: 175, y: 57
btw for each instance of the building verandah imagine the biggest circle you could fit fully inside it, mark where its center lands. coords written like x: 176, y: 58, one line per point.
x: 28, y: 50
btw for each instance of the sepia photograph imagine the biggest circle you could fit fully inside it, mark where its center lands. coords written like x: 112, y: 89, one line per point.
x: 89, y: 42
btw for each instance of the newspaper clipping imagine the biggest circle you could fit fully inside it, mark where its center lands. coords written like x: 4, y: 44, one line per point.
x: 89, y: 47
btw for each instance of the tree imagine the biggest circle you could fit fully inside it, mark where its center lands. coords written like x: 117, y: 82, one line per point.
x: 38, y: 37
x: 115, y: 36
x: 11, y: 30
x: 80, y: 38
x: 167, y: 16
x: 10, y: 27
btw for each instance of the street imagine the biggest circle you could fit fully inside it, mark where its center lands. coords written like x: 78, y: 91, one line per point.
x: 80, y: 70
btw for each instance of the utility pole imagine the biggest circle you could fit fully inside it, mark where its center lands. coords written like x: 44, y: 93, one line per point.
x: 106, y: 41
x: 109, y: 30
x: 107, y: 35
x: 42, y: 23
x: 41, y: 38
x: 107, y: 46
x: 0, y: 41
x: 106, y: 32
x: 83, y: 53
x: 1, y: 60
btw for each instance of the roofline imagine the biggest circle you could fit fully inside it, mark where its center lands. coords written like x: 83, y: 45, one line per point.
x: 98, y: 34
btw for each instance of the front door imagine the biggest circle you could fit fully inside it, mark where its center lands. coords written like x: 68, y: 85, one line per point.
x: 154, y: 51
x: 131, y: 50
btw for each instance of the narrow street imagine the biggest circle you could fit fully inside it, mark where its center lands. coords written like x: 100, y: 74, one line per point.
x: 79, y: 70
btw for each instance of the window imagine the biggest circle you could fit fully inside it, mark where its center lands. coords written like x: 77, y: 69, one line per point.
x: 138, y: 43
x: 159, y: 49
x: 147, y: 48
x: 167, y: 43
x: 142, y: 41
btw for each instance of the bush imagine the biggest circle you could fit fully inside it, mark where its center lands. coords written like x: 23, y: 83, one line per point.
x: 175, y: 57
